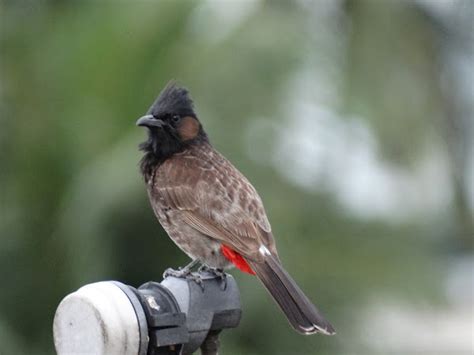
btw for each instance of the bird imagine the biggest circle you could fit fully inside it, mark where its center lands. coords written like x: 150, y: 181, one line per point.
x: 209, y: 208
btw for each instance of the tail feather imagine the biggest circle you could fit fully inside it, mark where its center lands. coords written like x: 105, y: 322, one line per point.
x: 299, y: 310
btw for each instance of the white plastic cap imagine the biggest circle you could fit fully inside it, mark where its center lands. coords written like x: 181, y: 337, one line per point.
x: 97, y: 319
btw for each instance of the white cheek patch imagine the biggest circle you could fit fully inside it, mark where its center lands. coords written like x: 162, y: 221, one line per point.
x: 263, y: 250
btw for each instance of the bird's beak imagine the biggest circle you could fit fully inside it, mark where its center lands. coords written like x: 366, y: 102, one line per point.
x: 150, y: 121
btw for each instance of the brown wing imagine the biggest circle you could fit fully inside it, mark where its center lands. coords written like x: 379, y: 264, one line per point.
x: 216, y: 199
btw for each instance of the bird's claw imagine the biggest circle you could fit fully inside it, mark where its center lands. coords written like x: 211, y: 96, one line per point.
x: 203, y: 268
x: 197, y: 279
x: 223, y: 276
x: 180, y: 273
x: 216, y: 272
x: 183, y: 273
x: 186, y: 273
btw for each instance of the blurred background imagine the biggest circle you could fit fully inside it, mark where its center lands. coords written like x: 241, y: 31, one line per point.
x: 353, y: 119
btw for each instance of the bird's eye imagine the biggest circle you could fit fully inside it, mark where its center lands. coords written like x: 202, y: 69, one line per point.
x: 175, y: 118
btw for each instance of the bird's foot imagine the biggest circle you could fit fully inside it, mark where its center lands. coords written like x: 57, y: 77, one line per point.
x: 217, y: 272
x: 185, y: 273
x: 204, y: 268
x: 181, y: 273
x: 196, y: 277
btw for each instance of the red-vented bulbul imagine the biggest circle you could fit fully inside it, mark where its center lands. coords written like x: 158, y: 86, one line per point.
x: 209, y: 209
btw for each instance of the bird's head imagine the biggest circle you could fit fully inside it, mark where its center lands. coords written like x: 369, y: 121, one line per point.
x: 172, y: 123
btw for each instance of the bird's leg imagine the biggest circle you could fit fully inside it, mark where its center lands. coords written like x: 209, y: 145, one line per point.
x: 181, y: 272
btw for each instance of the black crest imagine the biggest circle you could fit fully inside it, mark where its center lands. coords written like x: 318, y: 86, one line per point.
x: 163, y: 142
x: 173, y: 100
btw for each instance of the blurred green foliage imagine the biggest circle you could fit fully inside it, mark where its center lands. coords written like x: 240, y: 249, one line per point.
x: 73, y: 209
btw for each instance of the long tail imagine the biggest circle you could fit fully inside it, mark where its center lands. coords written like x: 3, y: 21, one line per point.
x: 301, y: 313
